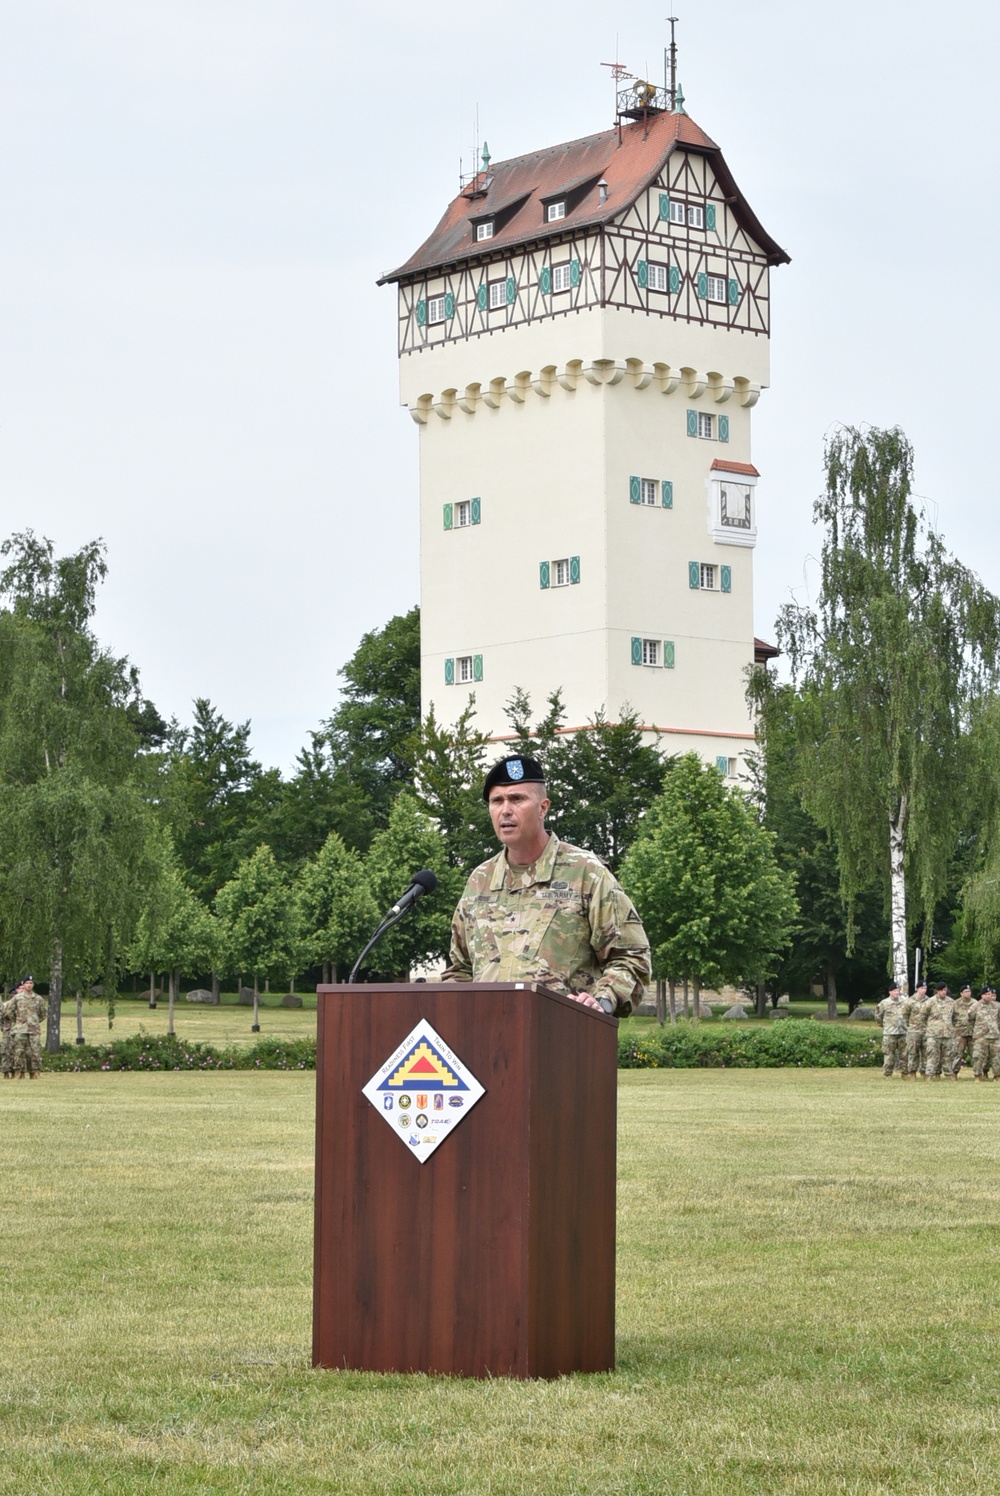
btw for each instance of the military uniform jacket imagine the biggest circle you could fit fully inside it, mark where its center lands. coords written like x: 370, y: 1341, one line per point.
x: 567, y: 922
x: 940, y: 1017
x: 891, y: 1014
x: 965, y: 1015
x: 916, y: 1013
x: 25, y: 1010
x: 986, y: 1024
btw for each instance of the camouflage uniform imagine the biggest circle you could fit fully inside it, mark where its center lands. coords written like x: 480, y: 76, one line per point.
x: 6, y: 1040
x: 565, y: 921
x: 891, y: 1014
x: 965, y: 1015
x: 940, y: 1035
x: 27, y: 1009
x: 986, y: 1039
x: 916, y: 1034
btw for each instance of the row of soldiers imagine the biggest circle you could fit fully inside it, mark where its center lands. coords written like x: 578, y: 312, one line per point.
x: 21, y: 1032
x: 929, y: 1036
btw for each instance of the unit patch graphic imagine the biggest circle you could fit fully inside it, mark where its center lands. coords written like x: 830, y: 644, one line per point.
x: 423, y: 1070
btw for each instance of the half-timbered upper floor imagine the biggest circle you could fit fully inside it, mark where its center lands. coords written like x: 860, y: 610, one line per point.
x: 646, y: 217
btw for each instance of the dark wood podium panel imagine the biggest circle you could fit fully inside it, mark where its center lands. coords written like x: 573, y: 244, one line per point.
x: 496, y: 1256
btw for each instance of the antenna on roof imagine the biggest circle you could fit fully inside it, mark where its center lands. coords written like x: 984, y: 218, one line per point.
x: 670, y: 71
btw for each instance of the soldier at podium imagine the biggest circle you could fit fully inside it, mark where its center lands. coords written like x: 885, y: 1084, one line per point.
x: 545, y: 911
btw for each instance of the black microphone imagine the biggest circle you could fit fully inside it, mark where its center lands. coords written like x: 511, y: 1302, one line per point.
x: 421, y: 883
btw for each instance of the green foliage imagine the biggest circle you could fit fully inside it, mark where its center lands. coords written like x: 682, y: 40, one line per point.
x: 702, y: 872
x: 259, y: 919
x: 449, y: 766
x: 904, y: 641
x: 601, y: 779
x: 410, y: 842
x: 788, y: 1042
x: 176, y: 931
x: 157, y: 1052
x: 337, y: 910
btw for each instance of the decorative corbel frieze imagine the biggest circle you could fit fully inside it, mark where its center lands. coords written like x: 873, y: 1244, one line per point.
x: 694, y: 383
x: 519, y: 386
x: 720, y: 388
x: 604, y: 371
x: 747, y: 392
x: 470, y: 400
x: 570, y: 375
x: 667, y: 378
x: 544, y: 381
x: 445, y: 407
x: 495, y: 393
x: 642, y: 374
x: 420, y: 412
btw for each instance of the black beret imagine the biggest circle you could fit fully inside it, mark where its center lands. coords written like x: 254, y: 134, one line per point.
x: 513, y: 770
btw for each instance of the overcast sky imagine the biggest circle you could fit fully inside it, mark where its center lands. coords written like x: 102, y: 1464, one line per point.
x: 198, y: 196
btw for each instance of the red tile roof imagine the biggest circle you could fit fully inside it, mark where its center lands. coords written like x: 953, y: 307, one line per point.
x: 627, y: 164
x: 746, y: 468
x: 762, y: 652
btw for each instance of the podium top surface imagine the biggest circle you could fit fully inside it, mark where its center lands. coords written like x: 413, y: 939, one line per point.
x: 427, y: 989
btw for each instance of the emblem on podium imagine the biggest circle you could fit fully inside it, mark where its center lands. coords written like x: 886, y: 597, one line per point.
x: 423, y: 1064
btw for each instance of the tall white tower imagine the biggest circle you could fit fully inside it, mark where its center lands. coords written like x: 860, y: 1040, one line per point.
x: 582, y: 340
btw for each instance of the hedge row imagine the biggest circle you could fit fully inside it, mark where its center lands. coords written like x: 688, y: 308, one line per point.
x: 792, y: 1042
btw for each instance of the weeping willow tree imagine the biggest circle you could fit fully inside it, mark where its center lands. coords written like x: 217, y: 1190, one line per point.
x: 890, y: 666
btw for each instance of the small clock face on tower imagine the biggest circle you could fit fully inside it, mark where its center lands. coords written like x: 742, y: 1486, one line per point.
x: 735, y: 499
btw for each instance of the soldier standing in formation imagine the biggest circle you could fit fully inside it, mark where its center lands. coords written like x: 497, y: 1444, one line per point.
x: 916, y: 1031
x: 939, y: 1046
x: 7, y: 1039
x: 965, y: 1013
x: 891, y: 1014
x: 986, y: 1036
x: 26, y: 1009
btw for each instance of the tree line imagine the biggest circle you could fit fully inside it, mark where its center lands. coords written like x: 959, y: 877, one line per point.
x: 132, y: 845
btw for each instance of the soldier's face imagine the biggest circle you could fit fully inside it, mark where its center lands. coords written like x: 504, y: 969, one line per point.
x: 518, y: 812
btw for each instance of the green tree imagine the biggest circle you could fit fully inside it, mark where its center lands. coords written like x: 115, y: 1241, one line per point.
x: 449, y: 766
x: 176, y: 932
x: 411, y: 841
x: 903, y: 643
x: 702, y: 873
x: 258, y: 917
x: 337, y: 910
x: 314, y: 801
x: 76, y: 835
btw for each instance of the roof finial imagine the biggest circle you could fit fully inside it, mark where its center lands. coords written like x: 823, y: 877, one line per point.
x: 679, y: 101
x: 670, y: 82
x: 486, y: 157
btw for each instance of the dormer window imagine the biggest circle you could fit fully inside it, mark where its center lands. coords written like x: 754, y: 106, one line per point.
x: 555, y: 211
x: 484, y: 231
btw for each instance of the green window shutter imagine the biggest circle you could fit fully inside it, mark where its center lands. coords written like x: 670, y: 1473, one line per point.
x: 636, y: 651
x: 692, y: 420
x: 477, y: 511
x: 545, y: 280
x: 421, y: 313
x: 543, y: 573
x: 448, y: 516
x: 668, y: 654
x: 694, y: 575
x: 710, y: 215
x: 643, y: 274
x: 574, y: 569
x: 634, y: 490
x: 734, y: 292
x: 482, y: 296
x: 667, y: 493
x: 449, y: 305
x: 449, y: 672
x: 574, y: 272
x: 702, y: 284
x: 722, y: 764
x: 723, y: 428
x: 675, y: 279
x: 664, y: 205
x: 477, y: 667
x: 511, y: 290
x: 727, y: 578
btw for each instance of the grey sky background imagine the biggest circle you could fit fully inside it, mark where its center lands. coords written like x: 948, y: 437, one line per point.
x: 197, y: 199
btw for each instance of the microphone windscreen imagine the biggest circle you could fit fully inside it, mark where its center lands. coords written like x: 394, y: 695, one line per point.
x: 426, y: 879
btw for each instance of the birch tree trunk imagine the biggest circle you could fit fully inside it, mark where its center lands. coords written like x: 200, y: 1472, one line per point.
x: 55, y: 999
x: 897, y: 890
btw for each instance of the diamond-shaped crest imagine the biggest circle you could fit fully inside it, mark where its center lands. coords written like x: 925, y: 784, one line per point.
x: 423, y: 1090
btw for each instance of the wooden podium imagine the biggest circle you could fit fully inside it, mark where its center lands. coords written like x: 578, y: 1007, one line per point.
x: 496, y: 1255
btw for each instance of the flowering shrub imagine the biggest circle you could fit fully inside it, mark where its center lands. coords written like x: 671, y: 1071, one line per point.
x: 169, y: 1052
x: 791, y: 1042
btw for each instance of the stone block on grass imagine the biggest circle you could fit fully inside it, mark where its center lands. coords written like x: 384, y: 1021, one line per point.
x: 864, y: 1015
x: 245, y: 997
x: 202, y: 995
x: 291, y: 1000
x: 779, y: 1013
x: 735, y: 1012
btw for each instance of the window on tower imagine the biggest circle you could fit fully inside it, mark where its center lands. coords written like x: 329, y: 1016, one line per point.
x: 706, y: 425
x: 562, y: 277
x: 463, y: 669
x: 463, y: 513
x: 717, y: 289
x: 707, y: 577
x: 657, y: 277
x: 498, y: 294
x: 555, y: 211
x: 647, y: 492
x: 436, y: 308
x: 734, y: 505
x: 560, y: 573
x: 678, y: 212
x: 695, y: 216
x: 484, y: 231
x: 650, y: 651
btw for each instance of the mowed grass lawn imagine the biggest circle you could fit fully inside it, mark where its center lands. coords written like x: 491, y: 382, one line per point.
x: 199, y: 1023
x: 808, y: 1287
